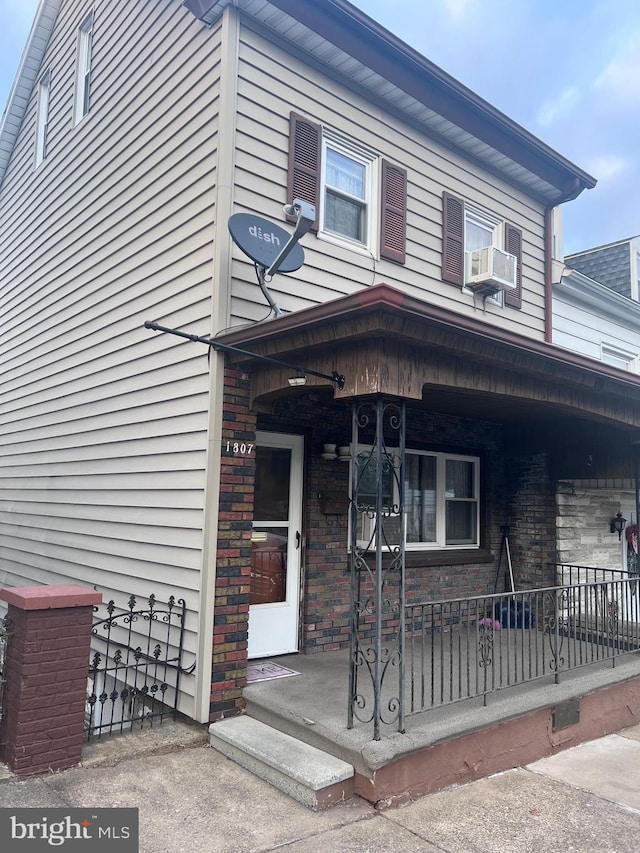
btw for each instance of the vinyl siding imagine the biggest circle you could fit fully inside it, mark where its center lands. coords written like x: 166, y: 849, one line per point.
x: 104, y: 425
x: 270, y: 84
x: 585, y: 329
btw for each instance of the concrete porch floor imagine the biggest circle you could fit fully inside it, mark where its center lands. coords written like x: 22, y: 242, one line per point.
x: 446, y: 745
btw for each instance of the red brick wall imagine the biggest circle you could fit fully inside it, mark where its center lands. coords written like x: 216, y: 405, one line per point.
x: 233, y: 558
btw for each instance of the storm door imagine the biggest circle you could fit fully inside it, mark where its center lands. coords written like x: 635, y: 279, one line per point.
x: 276, y: 545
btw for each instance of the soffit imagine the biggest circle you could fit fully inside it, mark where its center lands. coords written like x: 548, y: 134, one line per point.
x: 410, y: 84
x: 482, y: 366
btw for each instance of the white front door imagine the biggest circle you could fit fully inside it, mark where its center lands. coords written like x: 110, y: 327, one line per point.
x: 275, y: 545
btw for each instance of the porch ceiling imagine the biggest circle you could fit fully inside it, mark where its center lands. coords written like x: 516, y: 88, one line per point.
x: 385, y: 341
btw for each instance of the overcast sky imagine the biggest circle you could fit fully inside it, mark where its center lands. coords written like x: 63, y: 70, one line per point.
x: 567, y: 70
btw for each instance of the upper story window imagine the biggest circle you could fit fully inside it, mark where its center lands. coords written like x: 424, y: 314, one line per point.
x: 44, y: 91
x: 442, y: 500
x: 467, y: 229
x: 83, y: 69
x: 347, y: 179
x: 617, y: 357
x: 360, y: 198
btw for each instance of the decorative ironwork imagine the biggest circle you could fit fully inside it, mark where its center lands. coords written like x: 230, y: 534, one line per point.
x: 376, y: 675
x: 136, y: 664
x: 4, y: 639
x: 458, y: 649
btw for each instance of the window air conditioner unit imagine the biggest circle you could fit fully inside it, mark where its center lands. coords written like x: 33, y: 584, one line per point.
x: 490, y: 270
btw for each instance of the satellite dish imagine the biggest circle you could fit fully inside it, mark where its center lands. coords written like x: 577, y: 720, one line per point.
x: 263, y: 241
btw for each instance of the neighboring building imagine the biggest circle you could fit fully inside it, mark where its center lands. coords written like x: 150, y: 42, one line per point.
x: 601, y: 323
x: 134, y: 462
x: 616, y: 265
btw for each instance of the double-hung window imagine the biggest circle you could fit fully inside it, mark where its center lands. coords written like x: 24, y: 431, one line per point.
x: 348, y: 175
x: 42, y: 124
x: 441, y: 500
x: 466, y: 228
x: 83, y: 69
x: 360, y: 198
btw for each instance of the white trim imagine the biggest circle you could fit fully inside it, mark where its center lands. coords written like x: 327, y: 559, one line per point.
x: 42, y: 121
x: 83, y: 68
x: 492, y: 223
x: 617, y: 355
x: 369, y: 203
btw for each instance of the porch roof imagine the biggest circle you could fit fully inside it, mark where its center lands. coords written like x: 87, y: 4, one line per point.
x: 385, y: 341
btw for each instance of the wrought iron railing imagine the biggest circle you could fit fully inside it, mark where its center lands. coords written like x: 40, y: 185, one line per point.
x: 4, y: 635
x: 136, y: 664
x: 471, y: 647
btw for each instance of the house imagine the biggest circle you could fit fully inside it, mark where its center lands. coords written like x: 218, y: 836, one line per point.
x: 601, y: 319
x: 616, y: 265
x: 366, y: 426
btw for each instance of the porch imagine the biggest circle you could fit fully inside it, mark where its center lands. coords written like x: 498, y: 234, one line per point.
x: 475, y: 702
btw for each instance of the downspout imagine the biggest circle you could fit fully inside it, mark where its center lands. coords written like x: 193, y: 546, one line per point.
x: 548, y: 273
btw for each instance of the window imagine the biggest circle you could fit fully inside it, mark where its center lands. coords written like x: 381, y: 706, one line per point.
x: 442, y: 501
x: 617, y: 358
x: 347, y: 179
x: 44, y: 88
x: 83, y: 78
x: 360, y: 199
x: 466, y: 228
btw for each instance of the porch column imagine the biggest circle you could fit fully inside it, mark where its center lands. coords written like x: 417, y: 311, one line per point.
x: 377, y: 564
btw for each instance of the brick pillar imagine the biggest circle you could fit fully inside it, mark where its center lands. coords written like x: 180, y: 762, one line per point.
x: 46, y: 670
x: 233, y: 558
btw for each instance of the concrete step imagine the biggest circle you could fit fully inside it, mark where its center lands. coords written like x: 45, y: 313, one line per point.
x: 306, y: 774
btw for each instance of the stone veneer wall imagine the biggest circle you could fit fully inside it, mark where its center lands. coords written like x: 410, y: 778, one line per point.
x: 583, y: 517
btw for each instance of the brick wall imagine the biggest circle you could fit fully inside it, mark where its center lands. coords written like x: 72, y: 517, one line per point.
x: 233, y: 558
x: 325, y: 615
x: 46, y: 670
x: 532, y: 519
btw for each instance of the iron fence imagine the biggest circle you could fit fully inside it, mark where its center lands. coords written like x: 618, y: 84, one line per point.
x: 470, y: 647
x: 135, y: 666
x: 4, y: 635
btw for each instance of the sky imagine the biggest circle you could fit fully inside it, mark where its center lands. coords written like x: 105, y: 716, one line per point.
x: 566, y: 70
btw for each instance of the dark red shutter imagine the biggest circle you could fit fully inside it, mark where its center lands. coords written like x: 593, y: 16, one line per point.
x: 393, y: 219
x: 305, y: 151
x: 452, y: 239
x: 513, y: 245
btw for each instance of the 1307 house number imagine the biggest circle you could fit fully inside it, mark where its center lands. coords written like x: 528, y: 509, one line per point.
x: 240, y: 448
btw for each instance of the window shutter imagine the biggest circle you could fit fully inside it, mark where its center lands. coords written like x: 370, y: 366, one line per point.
x: 513, y: 245
x: 452, y: 239
x: 305, y: 151
x: 393, y: 222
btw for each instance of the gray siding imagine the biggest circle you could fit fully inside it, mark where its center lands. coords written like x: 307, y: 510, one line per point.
x: 266, y: 75
x: 103, y: 425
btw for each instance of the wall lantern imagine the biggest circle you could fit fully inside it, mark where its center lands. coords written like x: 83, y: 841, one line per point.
x: 617, y: 525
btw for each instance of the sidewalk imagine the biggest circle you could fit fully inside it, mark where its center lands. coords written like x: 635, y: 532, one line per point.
x: 191, y: 798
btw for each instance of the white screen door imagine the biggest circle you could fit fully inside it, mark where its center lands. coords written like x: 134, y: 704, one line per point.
x: 275, y: 545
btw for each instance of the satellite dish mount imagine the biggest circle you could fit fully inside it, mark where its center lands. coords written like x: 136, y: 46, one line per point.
x: 271, y: 248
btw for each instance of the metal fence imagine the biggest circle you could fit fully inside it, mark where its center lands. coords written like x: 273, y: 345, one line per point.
x: 468, y: 647
x: 135, y: 666
x: 4, y: 635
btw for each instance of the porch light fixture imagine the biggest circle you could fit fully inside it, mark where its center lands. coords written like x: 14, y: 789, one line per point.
x: 297, y: 381
x: 617, y: 525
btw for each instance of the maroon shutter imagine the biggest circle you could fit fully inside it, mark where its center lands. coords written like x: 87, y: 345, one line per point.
x: 452, y: 239
x: 513, y: 245
x: 393, y: 219
x: 304, y: 162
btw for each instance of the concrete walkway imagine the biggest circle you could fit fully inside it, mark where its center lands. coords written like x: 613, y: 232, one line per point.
x: 191, y: 798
